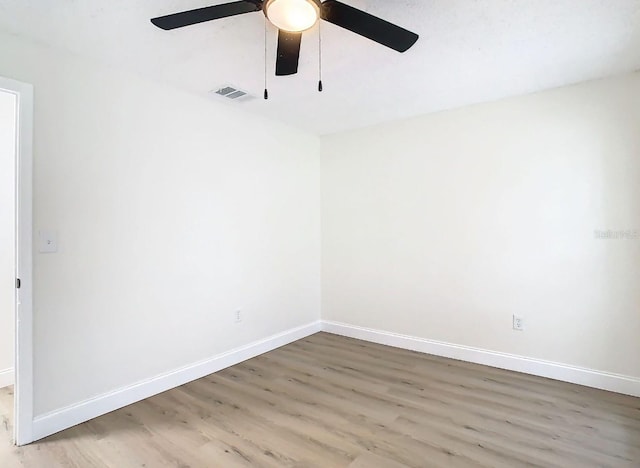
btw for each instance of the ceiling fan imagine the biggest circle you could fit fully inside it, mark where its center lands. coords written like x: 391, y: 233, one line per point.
x: 292, y: 17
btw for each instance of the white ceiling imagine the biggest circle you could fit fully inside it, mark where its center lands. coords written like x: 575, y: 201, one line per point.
x: 469, y: 51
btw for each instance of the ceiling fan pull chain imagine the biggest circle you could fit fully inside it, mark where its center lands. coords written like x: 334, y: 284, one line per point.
x: 266, y: 93
x: 319, y: 58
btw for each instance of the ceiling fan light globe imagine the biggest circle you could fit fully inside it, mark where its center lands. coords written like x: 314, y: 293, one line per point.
x: 292, y: 15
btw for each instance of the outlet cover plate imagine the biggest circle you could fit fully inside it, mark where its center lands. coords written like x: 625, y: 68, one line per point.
x: 518, y: 323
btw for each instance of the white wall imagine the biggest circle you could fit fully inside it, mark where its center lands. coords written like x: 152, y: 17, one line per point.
x: 7, y: 234
x: 172, y: 211
x: 443, y: 226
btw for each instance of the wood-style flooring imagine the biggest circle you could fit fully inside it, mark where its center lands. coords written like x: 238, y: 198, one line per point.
x: 330, y: 401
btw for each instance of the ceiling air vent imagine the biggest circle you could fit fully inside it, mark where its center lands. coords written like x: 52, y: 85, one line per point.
x: 232, y: 93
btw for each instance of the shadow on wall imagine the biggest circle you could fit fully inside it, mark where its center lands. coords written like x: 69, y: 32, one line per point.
x: 616, y: 235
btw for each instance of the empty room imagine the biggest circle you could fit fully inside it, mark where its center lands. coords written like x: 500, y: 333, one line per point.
x: 319, y: 233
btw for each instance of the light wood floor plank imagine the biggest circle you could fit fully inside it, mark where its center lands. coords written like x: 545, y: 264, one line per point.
x: 331, y: 401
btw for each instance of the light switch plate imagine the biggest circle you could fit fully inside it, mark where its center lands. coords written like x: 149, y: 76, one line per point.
x: 48, y: 241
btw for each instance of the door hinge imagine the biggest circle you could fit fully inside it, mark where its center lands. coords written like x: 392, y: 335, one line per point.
x: 17, y: 283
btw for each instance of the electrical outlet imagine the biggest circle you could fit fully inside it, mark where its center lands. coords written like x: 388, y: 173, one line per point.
x: 518, y: 323
x: 48, y: 241
x: 238, y: 316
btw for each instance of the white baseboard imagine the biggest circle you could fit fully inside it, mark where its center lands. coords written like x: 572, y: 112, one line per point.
x: 6, y: 377
x: 69, y: 416
x: 55, y: 421
x: 591, y: 378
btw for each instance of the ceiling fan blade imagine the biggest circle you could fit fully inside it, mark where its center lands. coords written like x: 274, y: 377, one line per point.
x: 367, y: 25
x: 200, y: 15
x: 288, y: 52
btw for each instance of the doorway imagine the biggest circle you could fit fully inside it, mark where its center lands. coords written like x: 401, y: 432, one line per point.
x: 16, y: 376
x: 8, y: 124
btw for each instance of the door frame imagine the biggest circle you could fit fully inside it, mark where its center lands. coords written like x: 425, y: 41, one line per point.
x: 23, y: 365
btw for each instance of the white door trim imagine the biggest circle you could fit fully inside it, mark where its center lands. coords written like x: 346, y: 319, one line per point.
x: 23, y: 420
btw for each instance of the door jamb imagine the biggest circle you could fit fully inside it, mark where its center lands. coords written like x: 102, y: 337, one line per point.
x: 23, y: 388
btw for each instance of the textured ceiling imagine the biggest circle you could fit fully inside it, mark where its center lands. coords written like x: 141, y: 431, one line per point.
x: 469, y: 51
